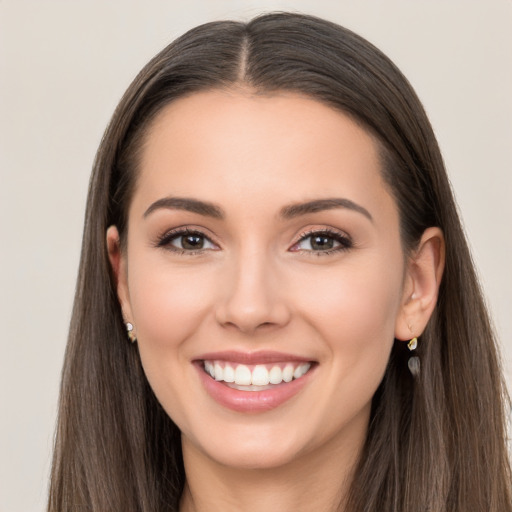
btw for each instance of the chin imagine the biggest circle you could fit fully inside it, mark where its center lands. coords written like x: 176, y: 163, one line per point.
x: 254, y: 447
x: 256, y: 456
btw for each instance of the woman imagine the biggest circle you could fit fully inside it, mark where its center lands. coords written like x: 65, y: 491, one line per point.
x: 270, y: 224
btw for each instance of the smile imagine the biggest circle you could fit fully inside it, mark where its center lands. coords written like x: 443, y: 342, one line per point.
x: 253, y: 383
x: 255, y: 377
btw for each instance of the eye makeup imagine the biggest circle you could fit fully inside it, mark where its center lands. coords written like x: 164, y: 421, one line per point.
x: 323, y: 242
x: 192, y: 241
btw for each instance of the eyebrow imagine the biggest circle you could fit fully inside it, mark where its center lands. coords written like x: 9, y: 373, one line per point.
x: 288, y: 212
x: 190, y: 205
x: 318, y: 205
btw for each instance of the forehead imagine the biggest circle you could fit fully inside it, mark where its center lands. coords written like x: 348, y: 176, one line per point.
x: 225, y: 144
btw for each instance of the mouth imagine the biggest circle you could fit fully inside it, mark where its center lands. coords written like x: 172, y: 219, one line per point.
x: 253, y: 382
x: 257, y: 377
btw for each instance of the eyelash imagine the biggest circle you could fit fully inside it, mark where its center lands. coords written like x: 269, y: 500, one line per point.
x: 345, y: 243
x: 168, y: 237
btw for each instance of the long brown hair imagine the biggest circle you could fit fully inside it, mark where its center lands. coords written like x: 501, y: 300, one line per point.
x: 435, y: 442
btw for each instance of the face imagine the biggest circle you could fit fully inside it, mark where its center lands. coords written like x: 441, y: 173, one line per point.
x: 264, y: 275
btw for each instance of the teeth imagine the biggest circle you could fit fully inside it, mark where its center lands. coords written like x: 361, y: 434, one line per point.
x: 229, y: 374
x: 288, y: 373
x: 261, y: 375
x: 219, y: 373
x: 209, y: 368
x: 299, y: 372
x: 242, y: 375
x: 275, y: 376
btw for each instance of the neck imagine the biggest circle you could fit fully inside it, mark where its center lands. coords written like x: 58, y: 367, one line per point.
x: 317, y: 480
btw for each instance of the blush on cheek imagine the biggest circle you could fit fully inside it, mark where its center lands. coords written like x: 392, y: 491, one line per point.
x: 359, y: 317
x: 168, y: 306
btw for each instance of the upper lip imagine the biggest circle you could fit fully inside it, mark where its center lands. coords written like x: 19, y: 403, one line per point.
x: 252, y: 358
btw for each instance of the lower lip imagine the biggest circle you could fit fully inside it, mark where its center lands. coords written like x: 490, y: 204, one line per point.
x: 251, y: 401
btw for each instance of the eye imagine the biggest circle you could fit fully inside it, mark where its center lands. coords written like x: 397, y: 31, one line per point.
x: 186, y: 241
x: 325, y: 241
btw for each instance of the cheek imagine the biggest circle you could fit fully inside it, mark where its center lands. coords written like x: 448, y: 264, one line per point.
x: 168, y: 307
x: 353, y: 313
x: 168, y: 303
x: 359, y: 303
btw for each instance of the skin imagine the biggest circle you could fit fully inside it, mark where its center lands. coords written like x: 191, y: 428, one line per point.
x: 259, y: 284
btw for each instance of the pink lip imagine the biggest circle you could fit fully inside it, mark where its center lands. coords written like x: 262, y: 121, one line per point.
x: 251, y: 401
x: 251, y: 358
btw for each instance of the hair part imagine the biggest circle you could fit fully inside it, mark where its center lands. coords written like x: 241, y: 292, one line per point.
x: 434, y: 443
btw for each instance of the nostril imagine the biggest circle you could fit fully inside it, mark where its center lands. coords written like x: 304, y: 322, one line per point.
x: 266, y: 324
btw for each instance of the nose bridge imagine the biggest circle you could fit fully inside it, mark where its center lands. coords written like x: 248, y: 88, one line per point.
x: 252, y: 296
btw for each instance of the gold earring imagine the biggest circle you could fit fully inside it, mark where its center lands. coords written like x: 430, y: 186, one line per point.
x: 413, y: 344
x: 414, y: 361
x: 131, y: 334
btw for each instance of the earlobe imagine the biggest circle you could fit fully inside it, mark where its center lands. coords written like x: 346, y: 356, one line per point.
x: 118, y: 265
x: 421, y: 286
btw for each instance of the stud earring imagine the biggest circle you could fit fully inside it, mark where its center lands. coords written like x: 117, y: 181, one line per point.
x: 413, y: 344
x: 414, y: 361
x: 131, y: 334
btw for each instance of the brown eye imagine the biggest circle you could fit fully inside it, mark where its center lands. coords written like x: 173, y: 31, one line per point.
x: 323, y: 242
x: 191, y: 242
x: 186, y: 241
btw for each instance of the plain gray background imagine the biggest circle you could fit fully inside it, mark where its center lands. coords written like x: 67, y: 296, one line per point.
x: 63, y: 67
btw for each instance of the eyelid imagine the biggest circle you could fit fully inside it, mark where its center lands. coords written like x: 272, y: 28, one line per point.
x: 343, y: 238
x: 164, y: 240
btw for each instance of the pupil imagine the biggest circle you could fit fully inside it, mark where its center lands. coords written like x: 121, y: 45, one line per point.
x: 192, y: 242
x: 322, y: 242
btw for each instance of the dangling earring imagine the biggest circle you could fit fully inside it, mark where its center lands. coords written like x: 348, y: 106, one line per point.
x: 131, y: 334
x: 414, y: 361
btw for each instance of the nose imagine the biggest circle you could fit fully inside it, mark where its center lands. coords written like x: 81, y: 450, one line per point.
x: 252, y: 295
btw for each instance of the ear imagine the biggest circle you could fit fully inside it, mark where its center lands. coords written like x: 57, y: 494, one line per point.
x: 119, y: 271
x: 421, y: 285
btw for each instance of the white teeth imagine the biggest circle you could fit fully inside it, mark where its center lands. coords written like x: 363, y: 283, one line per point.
x: 275, y: 375
x: 219, y: 373
x: 299, y: 372
x: 260, y: 375
x: 243, y: 375
x: 288, y: 373
x: 229, y: 374
x: 209, y: 368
